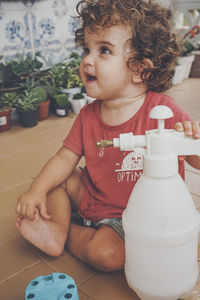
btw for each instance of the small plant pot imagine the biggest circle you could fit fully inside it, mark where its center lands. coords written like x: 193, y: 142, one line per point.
x: 28, y: 118
x: 71, y: 92
x: 44, y: 110
x: 179, y: 75
x: 186, y: 61
x: 52, y: 105
x: 5, y: 119
x: 14, y: 117
x: 77, y: 104
x: 63, y: 111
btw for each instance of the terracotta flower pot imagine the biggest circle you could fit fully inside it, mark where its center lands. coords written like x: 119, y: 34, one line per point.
x: 5, y: 119
x: 44, y: 110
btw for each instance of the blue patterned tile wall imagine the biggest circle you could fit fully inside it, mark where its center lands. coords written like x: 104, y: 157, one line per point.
x: 31, y: 26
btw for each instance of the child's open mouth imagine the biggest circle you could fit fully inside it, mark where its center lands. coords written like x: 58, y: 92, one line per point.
x: 91, y: 77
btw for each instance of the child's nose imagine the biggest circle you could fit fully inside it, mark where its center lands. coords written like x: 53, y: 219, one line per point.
x: 88, y: 59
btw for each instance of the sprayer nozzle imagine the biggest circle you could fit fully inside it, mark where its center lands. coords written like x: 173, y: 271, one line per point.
x: 104, y: 143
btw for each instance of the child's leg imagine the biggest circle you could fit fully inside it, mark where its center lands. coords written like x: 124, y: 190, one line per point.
x: 102, y: 248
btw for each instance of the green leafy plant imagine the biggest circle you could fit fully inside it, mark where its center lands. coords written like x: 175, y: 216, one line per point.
x: 72, y: 79
x: 7, y: 100
x: 191, y: 40
x: 7, y: 76
x: 78, y: 96
x: 40, y: 93
x: 28, y: 84
x: 15, y: 72
x: 27, y: 101
x: 64, y: 76
x: 75, y: 55
x: 24, y: 65
x: 61, y: 100
x: 188, y: 47
x: 75, y: 61
x: 57, y: 76
x: 51, y: 91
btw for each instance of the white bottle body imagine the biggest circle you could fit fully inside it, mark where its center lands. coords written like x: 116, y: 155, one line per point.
x: 160, y: 222
x: 161, y: 227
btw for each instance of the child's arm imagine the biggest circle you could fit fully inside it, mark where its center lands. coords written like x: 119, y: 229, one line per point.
x: 191, y: 128
x: 57, y: 169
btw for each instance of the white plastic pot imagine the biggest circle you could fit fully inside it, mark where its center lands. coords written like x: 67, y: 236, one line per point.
x: 179, y: 75
x: 183, y: 69
x: 186, y: 61
x: 77, y: 104
x: 72, y: 91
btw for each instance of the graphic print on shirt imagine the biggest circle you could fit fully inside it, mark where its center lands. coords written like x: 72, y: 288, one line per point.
x: 131, y: 166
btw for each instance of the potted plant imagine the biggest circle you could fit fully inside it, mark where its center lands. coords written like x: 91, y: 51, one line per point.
x: 25, y: 64
x: 31, y: 85
x: 57, y: 76
x: 14, y: 118
x: 14, y: 72
x: 191, y: 41
x: 185, y: 64
x: 56, y: 81
x: 5, y: 111
x: 8, y: 80
x: 75, y: 60
x: 193, y: 47
x: 72, y: 82
x: 41, y: 94
x: 62, y: 105
x: 27, y: 108
x: 64, y: 78
x: 77, y: 102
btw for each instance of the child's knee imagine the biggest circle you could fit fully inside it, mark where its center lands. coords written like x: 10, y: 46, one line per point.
x: 105, y: 257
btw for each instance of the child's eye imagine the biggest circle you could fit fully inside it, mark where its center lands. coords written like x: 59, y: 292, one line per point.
x: 105, y: 50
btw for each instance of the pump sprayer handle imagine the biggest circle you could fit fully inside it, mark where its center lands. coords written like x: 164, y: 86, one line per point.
x: 157, y: 142
x: 161, y: 112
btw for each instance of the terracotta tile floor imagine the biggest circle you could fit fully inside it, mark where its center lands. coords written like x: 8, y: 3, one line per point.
x: 22, y: 154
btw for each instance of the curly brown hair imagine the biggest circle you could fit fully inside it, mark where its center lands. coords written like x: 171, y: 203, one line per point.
x: 152, y: 37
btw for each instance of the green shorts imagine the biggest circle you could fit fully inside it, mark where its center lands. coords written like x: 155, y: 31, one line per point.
x: 115, y: 223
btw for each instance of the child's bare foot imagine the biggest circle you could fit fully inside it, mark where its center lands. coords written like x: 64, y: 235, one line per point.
x: 47, y: 235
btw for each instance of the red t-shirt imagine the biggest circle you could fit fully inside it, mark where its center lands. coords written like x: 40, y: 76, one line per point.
x: 110, y: 174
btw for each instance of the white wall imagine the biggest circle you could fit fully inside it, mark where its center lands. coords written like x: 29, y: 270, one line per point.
x: 166, y: 3
x: 44, y: 26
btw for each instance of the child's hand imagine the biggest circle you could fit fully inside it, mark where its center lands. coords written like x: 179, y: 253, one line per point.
x: 29, y: 201
x: 191, y: 128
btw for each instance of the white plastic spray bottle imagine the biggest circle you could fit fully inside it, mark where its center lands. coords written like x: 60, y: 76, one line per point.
x: 160, y: 222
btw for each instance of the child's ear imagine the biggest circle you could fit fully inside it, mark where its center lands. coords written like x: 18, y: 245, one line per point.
x: 136, y: 75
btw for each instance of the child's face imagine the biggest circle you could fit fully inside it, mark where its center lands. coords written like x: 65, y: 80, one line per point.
x: 104, y: 70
